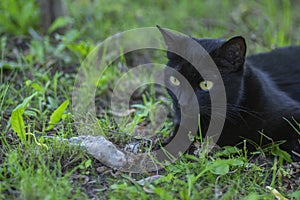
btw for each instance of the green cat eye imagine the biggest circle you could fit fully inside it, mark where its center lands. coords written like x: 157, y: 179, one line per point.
x: 174, y: 81
x: 206, y: 85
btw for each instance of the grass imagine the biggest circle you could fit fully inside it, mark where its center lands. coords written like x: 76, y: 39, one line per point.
x: 36, y: 166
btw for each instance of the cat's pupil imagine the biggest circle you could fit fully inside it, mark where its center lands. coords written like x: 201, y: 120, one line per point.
x: 174, y: 81
x: 206, y: 85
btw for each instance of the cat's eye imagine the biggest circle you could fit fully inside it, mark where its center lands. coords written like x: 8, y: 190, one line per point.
x: 174, y: 81
x: 206, y: 85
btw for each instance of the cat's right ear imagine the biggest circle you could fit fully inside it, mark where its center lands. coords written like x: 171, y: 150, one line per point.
x: 234, y: 51
x: 171, y: 41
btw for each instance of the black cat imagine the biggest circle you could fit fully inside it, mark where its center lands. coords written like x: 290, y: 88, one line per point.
x: 262, y: 91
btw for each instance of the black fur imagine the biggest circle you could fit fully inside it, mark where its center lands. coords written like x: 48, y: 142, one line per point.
x: 261, y: 91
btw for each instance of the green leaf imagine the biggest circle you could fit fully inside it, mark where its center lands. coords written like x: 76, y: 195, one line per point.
x: 57, y: 115
x: 37, y: 87
x: 228, y: 151
x: 59, y: 23
x: 281, y: 153
x: 17, y: 121
x: 236, y: 162
x: 220, y: 169
x: 216, y: 167
x: 88, y: 163
x: 26, y: 101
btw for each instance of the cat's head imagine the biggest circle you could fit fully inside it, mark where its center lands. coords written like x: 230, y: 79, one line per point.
x: 229, y: 57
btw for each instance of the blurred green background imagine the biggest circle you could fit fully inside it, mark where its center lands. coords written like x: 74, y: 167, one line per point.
x: 265, y: 24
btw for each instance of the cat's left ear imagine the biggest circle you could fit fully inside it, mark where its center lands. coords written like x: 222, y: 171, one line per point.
x: 234, y: 51
x: 173, y: 42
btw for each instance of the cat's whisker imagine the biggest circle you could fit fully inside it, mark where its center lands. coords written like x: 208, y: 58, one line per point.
x: 244, y: 110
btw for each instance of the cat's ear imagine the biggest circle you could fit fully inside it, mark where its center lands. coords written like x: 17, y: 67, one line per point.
x: 171, y: 40
x: 169, y: 37
x: 234, y: 51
